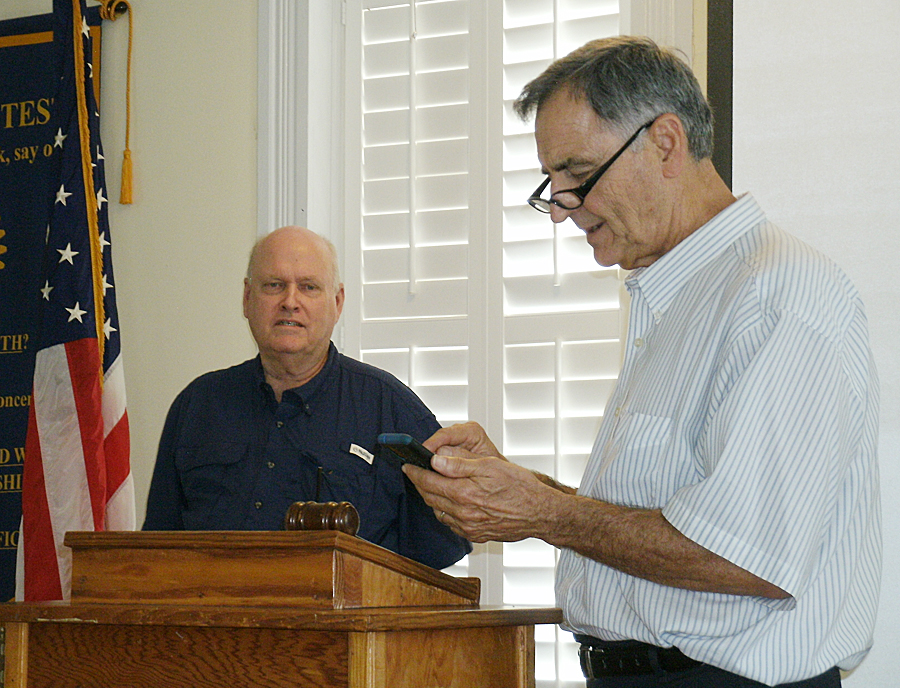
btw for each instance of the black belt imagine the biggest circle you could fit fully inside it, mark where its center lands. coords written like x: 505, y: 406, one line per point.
x: 601, y: 658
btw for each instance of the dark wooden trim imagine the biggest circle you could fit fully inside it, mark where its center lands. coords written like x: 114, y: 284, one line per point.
x: 719, y: 80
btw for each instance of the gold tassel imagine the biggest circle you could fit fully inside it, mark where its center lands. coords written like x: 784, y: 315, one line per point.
x: 125, y: 196
x: 111, y: 9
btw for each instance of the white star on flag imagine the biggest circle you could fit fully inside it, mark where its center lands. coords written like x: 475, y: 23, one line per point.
x: 67, y: 254
x: 61, y: 195
x: 100, y: 199
x: 84, y: 27
x: 108, y: 329
x: 103, y: 241
x: 75, y: 313
x: 106, y: 285
x: 45, y: 290
x: 59, y: 138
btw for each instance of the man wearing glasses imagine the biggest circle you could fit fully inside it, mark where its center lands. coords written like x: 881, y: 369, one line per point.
x: 726, y: 532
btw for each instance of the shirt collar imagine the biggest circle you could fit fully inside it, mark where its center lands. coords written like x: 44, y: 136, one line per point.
x: 304, y: 393
x: 660, y: 282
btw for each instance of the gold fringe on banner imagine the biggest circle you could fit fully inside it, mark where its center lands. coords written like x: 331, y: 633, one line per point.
x: 111, y: 9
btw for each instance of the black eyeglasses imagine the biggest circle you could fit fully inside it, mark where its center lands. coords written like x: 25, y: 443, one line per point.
x: 570, y: 199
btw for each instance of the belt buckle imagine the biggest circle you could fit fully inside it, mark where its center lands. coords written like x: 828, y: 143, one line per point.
x: 584, y: 658
x: 611, y: 663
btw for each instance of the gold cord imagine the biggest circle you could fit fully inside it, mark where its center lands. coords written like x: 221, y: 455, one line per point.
x: 111, y: 9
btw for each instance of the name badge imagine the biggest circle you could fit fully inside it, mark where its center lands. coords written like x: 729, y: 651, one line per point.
x: 362, y: 453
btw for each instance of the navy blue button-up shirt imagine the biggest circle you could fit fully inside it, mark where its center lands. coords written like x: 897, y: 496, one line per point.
x: 233, y: 458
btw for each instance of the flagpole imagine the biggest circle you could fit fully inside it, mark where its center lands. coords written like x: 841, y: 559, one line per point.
x: 87, y: 170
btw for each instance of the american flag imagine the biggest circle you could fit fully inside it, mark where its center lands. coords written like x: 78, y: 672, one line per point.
x: 76, y: 474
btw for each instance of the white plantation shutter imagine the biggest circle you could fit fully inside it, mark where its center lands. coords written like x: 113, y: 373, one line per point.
x: 478, y: 302
x: 408, y: 197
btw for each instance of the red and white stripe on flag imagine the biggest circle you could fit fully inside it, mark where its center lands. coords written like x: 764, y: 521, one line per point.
x: 77, y: 474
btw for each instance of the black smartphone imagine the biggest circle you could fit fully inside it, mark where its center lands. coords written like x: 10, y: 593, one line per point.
x: 407, y: 448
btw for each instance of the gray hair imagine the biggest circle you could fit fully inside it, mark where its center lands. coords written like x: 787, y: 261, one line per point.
x: 330, y: 250
x: 628, y: 81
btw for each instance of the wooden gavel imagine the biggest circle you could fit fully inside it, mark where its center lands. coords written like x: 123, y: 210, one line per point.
x: 341, y: 516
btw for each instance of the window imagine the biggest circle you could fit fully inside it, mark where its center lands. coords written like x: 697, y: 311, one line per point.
x: 479, y: 303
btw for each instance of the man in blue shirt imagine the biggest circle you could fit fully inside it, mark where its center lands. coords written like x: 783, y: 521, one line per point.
x: 297, y: 423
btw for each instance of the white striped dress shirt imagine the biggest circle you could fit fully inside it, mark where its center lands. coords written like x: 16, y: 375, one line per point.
x: 747, y: 410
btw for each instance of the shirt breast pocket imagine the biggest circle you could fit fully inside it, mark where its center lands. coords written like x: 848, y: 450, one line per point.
x: 211, y: 475
x: 346, y: 478
x: 376, y: 490
x: 633, y: 457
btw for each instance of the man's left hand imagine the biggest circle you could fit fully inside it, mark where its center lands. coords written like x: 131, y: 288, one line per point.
x: 483, y: 499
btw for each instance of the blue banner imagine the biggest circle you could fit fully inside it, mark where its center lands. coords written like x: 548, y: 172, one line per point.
x: 28, y: 178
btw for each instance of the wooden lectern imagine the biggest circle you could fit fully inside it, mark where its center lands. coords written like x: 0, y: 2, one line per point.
x: 268, y: 609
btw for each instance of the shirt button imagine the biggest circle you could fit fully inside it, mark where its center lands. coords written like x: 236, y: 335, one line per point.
x: 271, y: 464
x: 639, y: 342
x: 279, y: 423
x: 258, y: 505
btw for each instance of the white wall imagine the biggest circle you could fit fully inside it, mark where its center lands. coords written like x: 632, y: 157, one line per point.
x: 816, y: 106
